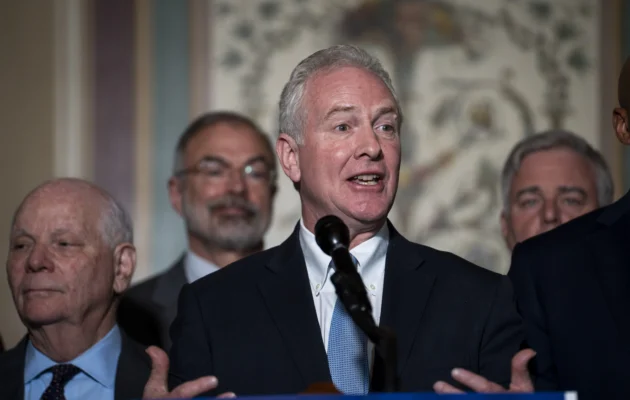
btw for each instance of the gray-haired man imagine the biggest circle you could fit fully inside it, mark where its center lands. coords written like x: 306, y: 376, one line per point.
x: 549, y: 179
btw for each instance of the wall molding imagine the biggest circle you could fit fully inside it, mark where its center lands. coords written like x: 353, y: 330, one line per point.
x: 71, y: 136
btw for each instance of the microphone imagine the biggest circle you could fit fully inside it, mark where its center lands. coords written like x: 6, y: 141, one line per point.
x: 333, y: 237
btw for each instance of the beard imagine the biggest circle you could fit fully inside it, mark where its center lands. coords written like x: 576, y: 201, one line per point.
x: 228, y: 232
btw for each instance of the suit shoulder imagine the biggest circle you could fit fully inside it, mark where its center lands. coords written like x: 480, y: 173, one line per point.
x: 457, y: 267
x: 13, y: 356
x: 239, y: 272
x: 565, y: 235
x: 144, y: 289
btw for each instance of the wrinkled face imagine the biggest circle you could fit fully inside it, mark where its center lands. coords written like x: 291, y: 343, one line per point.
x: 226, y: 197
x: 349, y: 160
x: 59, y: 268
x: 552, y: 187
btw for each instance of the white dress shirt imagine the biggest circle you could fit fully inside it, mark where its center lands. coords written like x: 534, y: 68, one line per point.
x: 196, y: 267
x: 371, y: 256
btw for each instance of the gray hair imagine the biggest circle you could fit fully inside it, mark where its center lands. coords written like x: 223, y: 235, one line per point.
x: 292, y: 113
x: 210, y: 119
x: 116, y: 225
x: 554, y: 139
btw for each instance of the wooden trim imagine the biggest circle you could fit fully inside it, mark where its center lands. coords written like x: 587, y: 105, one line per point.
x: 199, y: 11
x: 71, y: 136
x: 143, y: 204
x: 610, y: 44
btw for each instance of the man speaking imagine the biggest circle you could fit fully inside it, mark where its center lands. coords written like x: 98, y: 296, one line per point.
x: 271, y: 323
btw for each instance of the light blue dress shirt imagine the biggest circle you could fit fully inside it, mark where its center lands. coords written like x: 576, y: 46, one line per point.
x: 97, y: 378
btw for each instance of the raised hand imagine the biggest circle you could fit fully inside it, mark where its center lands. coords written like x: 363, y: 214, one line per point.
x: 521, y: 381
x: 157, y: 385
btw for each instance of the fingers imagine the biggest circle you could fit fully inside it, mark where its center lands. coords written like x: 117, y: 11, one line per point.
x: 195, y: 388
x: 521, y: 381
x: 442, y: 387
x: 476, y: 382
x: 156, y: 384
x: 227, y: 395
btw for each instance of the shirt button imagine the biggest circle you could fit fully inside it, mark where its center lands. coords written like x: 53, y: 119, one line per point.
x: 317, y: 286
x: 373, y: 287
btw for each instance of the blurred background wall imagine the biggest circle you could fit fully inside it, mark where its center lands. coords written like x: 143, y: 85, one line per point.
x: 102, y: 89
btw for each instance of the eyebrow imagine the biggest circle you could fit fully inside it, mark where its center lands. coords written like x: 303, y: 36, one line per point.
x: 20, y: 232
x: 572, y: 189
x: 386, y: 110
x: 561, y: 189
x: 528, y: 190
x: 379, y: 112
x: 337, y: 110
x: 251, y: 160
x: 60, y: 231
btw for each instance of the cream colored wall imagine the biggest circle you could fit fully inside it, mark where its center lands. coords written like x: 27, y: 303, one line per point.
x: 26, y: 121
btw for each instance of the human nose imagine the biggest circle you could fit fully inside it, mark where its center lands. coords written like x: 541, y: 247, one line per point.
x: 368, y: 144
x: 551, y: 213
x: 236, y: 181
x: 39, y: 259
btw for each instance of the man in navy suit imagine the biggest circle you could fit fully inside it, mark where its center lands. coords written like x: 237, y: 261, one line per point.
x: 270, y: 323
x: 573, y: 291
x: 573, y: 287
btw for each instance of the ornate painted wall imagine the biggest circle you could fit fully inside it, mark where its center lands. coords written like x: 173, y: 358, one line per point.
x: 473, y: 78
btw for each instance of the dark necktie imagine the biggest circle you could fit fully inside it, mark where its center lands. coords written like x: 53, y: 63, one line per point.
x: 62, y: 373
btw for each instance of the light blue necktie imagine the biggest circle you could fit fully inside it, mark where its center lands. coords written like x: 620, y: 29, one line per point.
x: 347, y: 352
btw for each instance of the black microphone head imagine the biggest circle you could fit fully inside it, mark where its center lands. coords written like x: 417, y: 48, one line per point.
x: 330, y: 233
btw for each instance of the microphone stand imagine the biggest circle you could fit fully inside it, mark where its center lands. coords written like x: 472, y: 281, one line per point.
x: 351, y: 292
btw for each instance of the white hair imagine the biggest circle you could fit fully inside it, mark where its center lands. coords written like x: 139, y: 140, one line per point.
x: 292, y: 114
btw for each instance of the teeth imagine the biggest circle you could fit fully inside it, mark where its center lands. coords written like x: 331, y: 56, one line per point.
x: 366, y: 179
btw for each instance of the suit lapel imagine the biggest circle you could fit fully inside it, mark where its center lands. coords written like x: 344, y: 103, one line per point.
x: 132, y: 372
x: 287, y: 295
x: 12, y: 371
x: 405, y: 293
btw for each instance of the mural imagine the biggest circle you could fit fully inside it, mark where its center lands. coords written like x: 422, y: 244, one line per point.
x: 473, y: 78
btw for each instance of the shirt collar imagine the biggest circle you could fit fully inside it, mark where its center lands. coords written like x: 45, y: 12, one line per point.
x: 99, y: 362
x: 366, y: 253
x: 196, y: 267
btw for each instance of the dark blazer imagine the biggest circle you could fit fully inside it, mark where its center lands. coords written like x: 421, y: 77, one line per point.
x: 254, y: 325
x: 573, y: 290
x: 134, y: 368
x: 147, y: 310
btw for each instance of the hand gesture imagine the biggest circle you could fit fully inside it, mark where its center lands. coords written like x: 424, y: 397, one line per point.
x: 521, y: 381
x: 157, y: 386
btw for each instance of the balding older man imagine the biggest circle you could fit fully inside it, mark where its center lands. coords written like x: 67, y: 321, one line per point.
x: 71, y: 256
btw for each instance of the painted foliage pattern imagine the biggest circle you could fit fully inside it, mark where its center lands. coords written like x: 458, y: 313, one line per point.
x: 473, y: 78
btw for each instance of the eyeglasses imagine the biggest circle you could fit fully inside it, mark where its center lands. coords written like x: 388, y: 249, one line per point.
x: 216, y: 170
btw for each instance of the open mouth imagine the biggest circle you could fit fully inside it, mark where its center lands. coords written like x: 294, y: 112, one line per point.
x: 367, y: 179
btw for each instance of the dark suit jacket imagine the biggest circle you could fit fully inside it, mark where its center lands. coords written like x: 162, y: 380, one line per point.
x: 148, y: 309
x: 573, y: 290
x: 134, y: 368
x: 254, y: 325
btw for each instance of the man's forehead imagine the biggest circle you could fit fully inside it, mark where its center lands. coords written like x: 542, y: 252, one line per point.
x: 345, y: 83
x: 54, y: 210
x: 560, y: 160
x: 227, y: 141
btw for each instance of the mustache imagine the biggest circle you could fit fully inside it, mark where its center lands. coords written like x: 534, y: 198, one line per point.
x: 232, y: 201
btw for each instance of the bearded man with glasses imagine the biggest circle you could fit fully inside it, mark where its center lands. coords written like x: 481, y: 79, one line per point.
x: 223, y: 185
